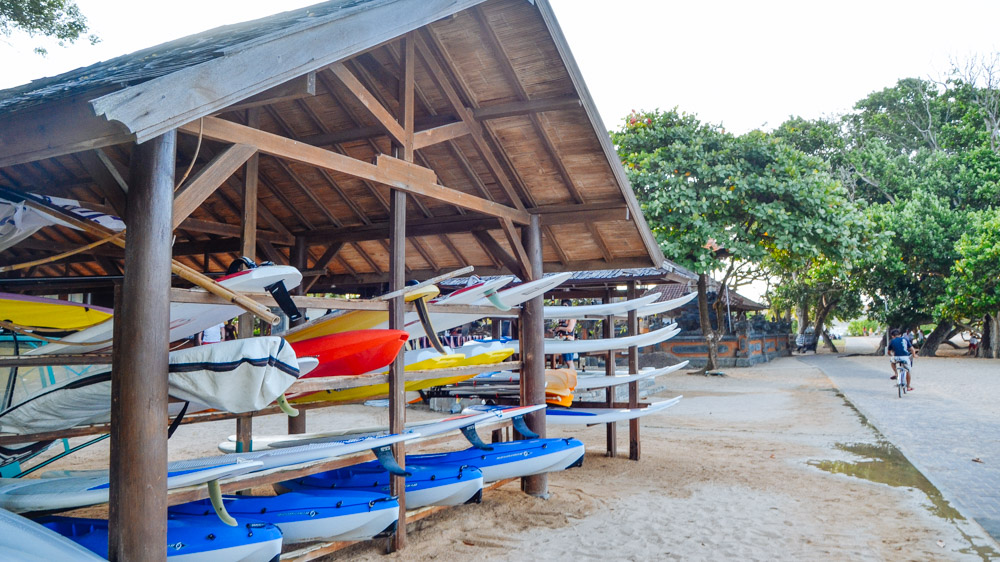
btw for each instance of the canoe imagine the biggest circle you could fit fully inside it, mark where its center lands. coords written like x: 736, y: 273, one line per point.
x: 436, y: 484
x: 24, y: 540
x: 591, y: 416
x: 72, y: 489
x: 186, y: 319
x: 189, y: 538
x: 351, y: 353
x: 55, y: 314
x: 511, y: 459
x: 334, y: 515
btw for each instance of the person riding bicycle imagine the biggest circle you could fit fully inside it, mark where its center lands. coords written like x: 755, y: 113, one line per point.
x: 901, y: 351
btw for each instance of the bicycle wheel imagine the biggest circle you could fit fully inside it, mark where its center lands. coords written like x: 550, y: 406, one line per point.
x: 900, y: 389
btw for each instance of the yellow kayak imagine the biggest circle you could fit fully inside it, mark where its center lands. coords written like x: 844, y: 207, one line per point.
x: 371, y: 391
x: 352, y: 319
x: 53, y: 314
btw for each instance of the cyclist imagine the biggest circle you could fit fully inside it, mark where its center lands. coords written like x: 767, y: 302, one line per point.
x: 901, y: 350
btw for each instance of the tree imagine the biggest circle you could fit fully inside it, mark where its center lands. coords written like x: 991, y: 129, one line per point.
x: 974, y: 287
x: 60, y: 19
x: 718, y: 202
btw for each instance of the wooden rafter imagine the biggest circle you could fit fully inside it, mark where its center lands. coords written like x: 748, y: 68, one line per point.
x: 208, y: 179
x: 368, y: 101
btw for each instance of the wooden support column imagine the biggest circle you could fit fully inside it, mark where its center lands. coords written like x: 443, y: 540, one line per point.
x: 248, y: 248
x: 633, y: 387
x: 532, y: 337
x: 297, y: 424
x: 609, y: 393
x: 138, y: 490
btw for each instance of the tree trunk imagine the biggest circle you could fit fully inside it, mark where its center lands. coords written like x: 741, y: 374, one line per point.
x: 989, y: 345
x: 829, y: 342
x: 882, y: 344
x: 802, y: 313
x: 821, y: 313
x: 934, y: 339
x: 706, y: 324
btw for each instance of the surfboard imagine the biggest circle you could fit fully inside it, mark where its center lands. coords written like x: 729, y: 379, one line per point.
x: 329, y: 515
x: 581, y: 312
x: 24, y: 540
x: 586, y: 381
x: 55, y: 314
x: 349, y: 320
x: 186, y: 319
x: 189, y: 538
x: 77, y: 489
x: 591, y: 416
x: 556, y: 346
x: 665, y: 306
x: 511, y: 459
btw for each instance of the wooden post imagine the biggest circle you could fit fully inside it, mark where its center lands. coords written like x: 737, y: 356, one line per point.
x: 244, y: 433
x: 532, y: 338
x: 611, y: 429
x: 297, y: 424
x: 248, y: 248
x: 138, y: 488
x: 633, y: 387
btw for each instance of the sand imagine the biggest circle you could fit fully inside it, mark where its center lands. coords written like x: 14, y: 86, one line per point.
x: 723, y: 475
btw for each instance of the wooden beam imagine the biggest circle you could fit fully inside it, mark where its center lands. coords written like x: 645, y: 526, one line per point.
x: 498, y: 251
x: 390, y: 171
x: 532, y: 336
x: 107, y: 178
x: 376, y: 109
x: 367, y: 133
x: 514, y: 240
x: 397, y: 391
x: 528, y: 107
x: 208, y: 179
x: 250, y: 195
x: 297, y: 88
x: 437, y: 135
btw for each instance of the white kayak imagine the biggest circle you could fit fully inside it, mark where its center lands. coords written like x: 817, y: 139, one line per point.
x: 555, y: 346
x: 426, y: 428
x: 590, y: 416
x: 85, y: 488
x: 235, y: 376
x: 587, y: 381
x: 23, y: 540
x: 665, y: 306
x: 186, y: 319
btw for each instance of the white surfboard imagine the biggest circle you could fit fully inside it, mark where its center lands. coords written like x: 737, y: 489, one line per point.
x: 665, y: 306
x: 84, y: 488
x: 585, y: 381
x: 554, y: 346
x: 590, y: 416
x: 186, y: 319
x: 581, y: 312
x: 23, y: 540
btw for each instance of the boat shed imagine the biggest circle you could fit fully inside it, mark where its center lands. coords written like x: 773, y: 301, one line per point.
x: 366, y: 142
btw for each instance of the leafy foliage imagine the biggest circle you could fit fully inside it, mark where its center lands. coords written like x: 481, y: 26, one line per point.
x: 60, y: 19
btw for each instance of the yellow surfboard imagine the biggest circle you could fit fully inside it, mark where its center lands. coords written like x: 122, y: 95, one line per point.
x: 352, y: 320
x: 53, y: 314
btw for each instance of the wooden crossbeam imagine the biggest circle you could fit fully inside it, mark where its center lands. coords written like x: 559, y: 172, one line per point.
x: 226, y: 131
x: 107, y: 178
x: 376, y: 109
x: 498, y: 251
x: 514, y: 109
x: 423, y: 139
x: 208, y: 179
x: 297, y: 88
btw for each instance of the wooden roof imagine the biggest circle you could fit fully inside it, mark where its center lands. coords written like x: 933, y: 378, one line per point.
x: 306, y: 108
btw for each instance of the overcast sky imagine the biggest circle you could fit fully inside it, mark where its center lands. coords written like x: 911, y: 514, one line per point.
x: 739, y: 63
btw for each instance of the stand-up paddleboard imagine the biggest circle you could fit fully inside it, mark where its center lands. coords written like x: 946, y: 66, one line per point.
x: 332, y: 515
x: 53, y: 314
x: 586, y: 381
x: 665, y: 306
x: 85, y: 488
x: 186, y: 319
x: 351, y: 353
x: 24, y: 540
x: 236, y: 376
x: 556, y: 346
x: 426, y: 428
x: 511, y: 459
x: 189, y: 538
x: 443, y: 484
x: 591, y: 416
x: 590, y: 310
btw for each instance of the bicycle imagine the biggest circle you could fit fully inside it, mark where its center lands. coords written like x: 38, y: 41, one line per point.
x: 902, y: 374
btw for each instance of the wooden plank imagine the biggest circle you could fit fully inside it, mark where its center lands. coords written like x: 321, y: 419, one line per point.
x: 360, y: 133
x: 517, y: 108
x: 376, y: 109
x: 437, y: 135
x: 532, y: 336
x: 514, y: 241
x: 514, y: 265
x: 397, y: 321
x: 250, y: 195
x: 208, y: 179
x: 107, y: 178
x: 297, y: 88
x: 406, y: 97
x: 387, y: 174
x: 59, y: 359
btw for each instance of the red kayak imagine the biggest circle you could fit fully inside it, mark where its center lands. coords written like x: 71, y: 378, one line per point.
x: 351, y: 353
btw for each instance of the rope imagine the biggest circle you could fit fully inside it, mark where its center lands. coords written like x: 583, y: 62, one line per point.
x: 197, y: 149
x: 31, y: 331
x: 57, y: 257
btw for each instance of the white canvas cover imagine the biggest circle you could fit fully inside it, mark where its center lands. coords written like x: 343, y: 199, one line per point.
x: 235, y: 376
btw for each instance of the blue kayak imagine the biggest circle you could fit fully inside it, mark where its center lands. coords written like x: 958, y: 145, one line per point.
x: 426, y: 485
x: 512, y: 459
x: 340, y: 515
x: 189, y: 539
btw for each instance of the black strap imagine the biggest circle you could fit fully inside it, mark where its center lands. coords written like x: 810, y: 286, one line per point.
x: 177, y: 421
x: 238, y: 264
x: 425, y: 319
x: 284, y: 300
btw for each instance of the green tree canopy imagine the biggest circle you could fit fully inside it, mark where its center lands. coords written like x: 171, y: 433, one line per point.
x: 60, y: 19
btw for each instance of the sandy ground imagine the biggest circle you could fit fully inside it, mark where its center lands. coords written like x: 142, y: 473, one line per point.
x: 726, y: 474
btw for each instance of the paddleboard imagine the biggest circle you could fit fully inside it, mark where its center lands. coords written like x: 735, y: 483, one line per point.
x: 511, y: 459
x: 189, y: 538
x: 39, y: 312
x: 23, y: 540
x: 68, y: 490
x: 591, y: 416
x: 587, y: 381
x: 186, y: 319
x: 331, y: 515
x: 556, y: 346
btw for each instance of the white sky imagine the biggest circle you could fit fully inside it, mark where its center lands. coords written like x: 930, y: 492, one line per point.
x: 744, y: 64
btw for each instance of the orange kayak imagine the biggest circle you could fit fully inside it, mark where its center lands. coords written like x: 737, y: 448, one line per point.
x: 351, y: 353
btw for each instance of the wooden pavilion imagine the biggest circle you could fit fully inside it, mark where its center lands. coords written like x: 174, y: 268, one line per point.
x: 363, y: 141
